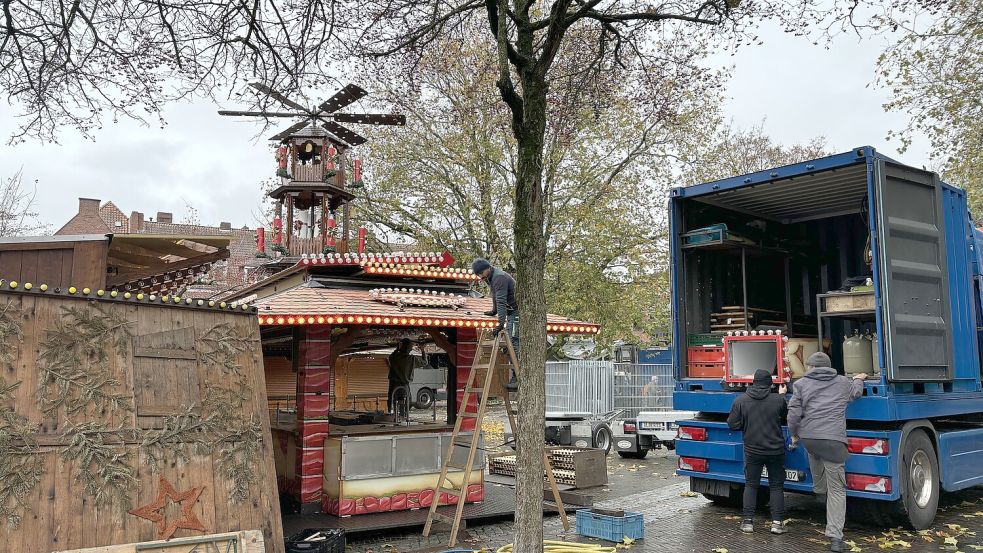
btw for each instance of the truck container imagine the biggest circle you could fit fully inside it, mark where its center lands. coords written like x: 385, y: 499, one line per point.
x: 819, y: 251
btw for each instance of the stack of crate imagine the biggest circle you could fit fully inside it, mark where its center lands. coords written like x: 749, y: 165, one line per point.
x: 705, y: 361
x: 574, y: 466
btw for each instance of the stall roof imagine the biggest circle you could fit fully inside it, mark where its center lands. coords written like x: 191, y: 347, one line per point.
x: 314, y: 305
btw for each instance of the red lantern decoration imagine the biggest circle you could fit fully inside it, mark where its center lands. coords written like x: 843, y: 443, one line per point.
x: 362, y: 232
x: 277, y: 231
x: 261, y: 240
x: 329, y: 159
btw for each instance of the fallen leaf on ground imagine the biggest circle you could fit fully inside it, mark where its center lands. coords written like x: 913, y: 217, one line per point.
x: 731, y: 517
x: 719, y: 550
x: 688, y: 494
x: 950, y: 541
x: 854, y: 548
x: 976, y: 547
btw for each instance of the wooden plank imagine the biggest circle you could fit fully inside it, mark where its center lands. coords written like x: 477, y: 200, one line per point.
x: 89, y: 265
x: 10, y: 265
x: 250, y: 541
x: 164, y: 353
x: 49, y: 267
x: 67, y: 266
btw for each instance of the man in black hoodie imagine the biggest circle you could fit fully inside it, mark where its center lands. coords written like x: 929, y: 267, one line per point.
x: 759, y: 415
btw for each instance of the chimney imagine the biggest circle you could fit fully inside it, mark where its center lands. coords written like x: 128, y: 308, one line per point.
x: 136, y: 221
x: 165, y: 217
x: 88, y: 206
x: 225, y: 226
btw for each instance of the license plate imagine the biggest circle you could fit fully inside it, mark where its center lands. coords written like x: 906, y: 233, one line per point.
x: 791, y: 475
x: 653, y: 426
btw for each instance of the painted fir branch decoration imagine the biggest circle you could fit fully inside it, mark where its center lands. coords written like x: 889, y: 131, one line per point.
x: 105, y: 470
x: 20, y: 465
x: 10, y: 332
x: 75, y: 372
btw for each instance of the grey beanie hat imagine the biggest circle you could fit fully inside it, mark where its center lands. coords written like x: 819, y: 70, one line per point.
x: 818, y: 359
x: 480, y: 265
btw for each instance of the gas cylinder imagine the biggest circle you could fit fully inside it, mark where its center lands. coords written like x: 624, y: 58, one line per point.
x: 856, y: 355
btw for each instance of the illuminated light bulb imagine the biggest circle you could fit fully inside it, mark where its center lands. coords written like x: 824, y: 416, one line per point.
x: 71, y: 289
x: 351, y: 319
x: 359, y: 319
x: 310, y: 320
x: 385, y: 320
x: 778, y: 332
x: 403, y: 321
x: 100, y: 293
x: 429, y: 322
x: 771, y: 333
x: 279, y: 320
x: 467, y: 323
x: 290, y: 320
x: 152, y: 297
x: 377, y: 320
x: 201, y: 303
x: 140, y: 296
x: 177, y: 299
x: 222, y: 305
x: 190, y: 301
x: 320, y: 320
x: 330, y: 320
x: 127, y: 295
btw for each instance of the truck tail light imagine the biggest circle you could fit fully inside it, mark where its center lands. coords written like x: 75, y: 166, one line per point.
x: 629, y: 427
x: 869, y: 446
x: 693, y: 464
x: 867, y: 483
x: 691, y: 433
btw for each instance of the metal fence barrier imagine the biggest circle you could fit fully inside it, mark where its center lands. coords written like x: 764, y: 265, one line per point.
x: 599, y: 387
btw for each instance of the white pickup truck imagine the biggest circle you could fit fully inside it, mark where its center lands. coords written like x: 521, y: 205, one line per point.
x: 650, y: 430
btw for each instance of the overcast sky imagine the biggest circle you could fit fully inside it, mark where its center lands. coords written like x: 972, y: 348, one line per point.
x: 214, y: 163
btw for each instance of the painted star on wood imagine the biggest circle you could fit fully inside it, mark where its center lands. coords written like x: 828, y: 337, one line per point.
x: 154, y: 511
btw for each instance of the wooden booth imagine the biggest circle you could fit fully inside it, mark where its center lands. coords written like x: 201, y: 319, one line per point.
x: 129, y: 417
x: 337, y: 448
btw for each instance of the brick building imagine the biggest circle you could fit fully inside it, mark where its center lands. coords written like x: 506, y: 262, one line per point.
x: 95, y: 217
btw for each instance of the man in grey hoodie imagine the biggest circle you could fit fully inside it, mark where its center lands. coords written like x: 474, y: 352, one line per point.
x: 504, y: 305
x: 817, y: 418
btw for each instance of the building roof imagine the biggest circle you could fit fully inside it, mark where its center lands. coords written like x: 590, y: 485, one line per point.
x: 312, y: 304
x: 114, y: 217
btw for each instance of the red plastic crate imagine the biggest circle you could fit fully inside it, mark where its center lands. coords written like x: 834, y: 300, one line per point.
x: 705, y: 370
x: 705, y: 354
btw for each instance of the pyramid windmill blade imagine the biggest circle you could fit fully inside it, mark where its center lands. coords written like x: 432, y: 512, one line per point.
x: 342, y: 98
x: 280, y: 97
x: 370, y: 118
x: 349, y: 136
x: 289, y: 131
x: 258, y: 113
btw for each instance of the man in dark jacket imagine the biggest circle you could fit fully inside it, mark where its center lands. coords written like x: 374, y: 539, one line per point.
x: 402, y: 363
x: 504, y: 306
x: 817, y: 418
x: 759, y: 415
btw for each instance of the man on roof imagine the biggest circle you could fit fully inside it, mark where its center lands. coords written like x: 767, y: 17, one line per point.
x: 504, y: 306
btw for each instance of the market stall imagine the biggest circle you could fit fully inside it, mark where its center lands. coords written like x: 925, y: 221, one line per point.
x: 339, y: 448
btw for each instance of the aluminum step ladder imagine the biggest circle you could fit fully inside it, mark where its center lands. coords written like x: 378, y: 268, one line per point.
x: 486, y: 367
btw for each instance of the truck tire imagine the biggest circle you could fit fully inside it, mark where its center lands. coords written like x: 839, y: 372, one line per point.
x: 633, y: 454
x: 919, y: 480
x: 425, y: 398
x: 601, y: 436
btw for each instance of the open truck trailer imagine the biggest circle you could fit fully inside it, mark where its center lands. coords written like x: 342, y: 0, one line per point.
x: 813, y: 255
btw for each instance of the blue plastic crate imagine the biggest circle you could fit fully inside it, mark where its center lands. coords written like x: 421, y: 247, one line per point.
x: 610, y: 528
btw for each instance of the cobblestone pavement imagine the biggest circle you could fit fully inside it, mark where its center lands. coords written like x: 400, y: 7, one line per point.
x: 676, y: 521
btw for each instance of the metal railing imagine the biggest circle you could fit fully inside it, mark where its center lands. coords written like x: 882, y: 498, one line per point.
x: 598, y: 387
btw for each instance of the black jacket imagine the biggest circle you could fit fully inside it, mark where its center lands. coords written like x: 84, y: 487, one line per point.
x: 503, y: 294
x: 759, y: 414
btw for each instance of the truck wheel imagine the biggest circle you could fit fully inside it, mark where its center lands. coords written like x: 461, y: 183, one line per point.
x: 424, y: 398
x: 919, y: 480
x: 634, y: 454
x: 601, y: 436
x: 670, y: 445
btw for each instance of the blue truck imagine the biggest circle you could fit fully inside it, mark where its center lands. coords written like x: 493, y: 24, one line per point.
x: 773, y: 250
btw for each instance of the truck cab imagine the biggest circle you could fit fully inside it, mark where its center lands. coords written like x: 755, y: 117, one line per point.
x: 823, y: 255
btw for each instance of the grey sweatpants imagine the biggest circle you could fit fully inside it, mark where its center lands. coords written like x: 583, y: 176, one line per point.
x: 830, y: 479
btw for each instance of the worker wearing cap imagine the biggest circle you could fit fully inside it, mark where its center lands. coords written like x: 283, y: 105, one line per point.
x: 817, y: 418
x: 402, y: 362
x: 504, y: 306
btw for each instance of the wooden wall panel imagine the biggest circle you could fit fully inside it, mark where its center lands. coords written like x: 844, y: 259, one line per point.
x: 61, y: 513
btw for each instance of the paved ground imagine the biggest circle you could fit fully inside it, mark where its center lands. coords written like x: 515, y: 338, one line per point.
x: 677, y: 521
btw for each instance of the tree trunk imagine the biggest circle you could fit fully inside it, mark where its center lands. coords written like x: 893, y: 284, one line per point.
x: 530, y: 259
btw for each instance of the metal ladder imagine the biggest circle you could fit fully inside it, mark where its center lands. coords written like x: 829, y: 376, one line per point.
x: 487, y: 359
